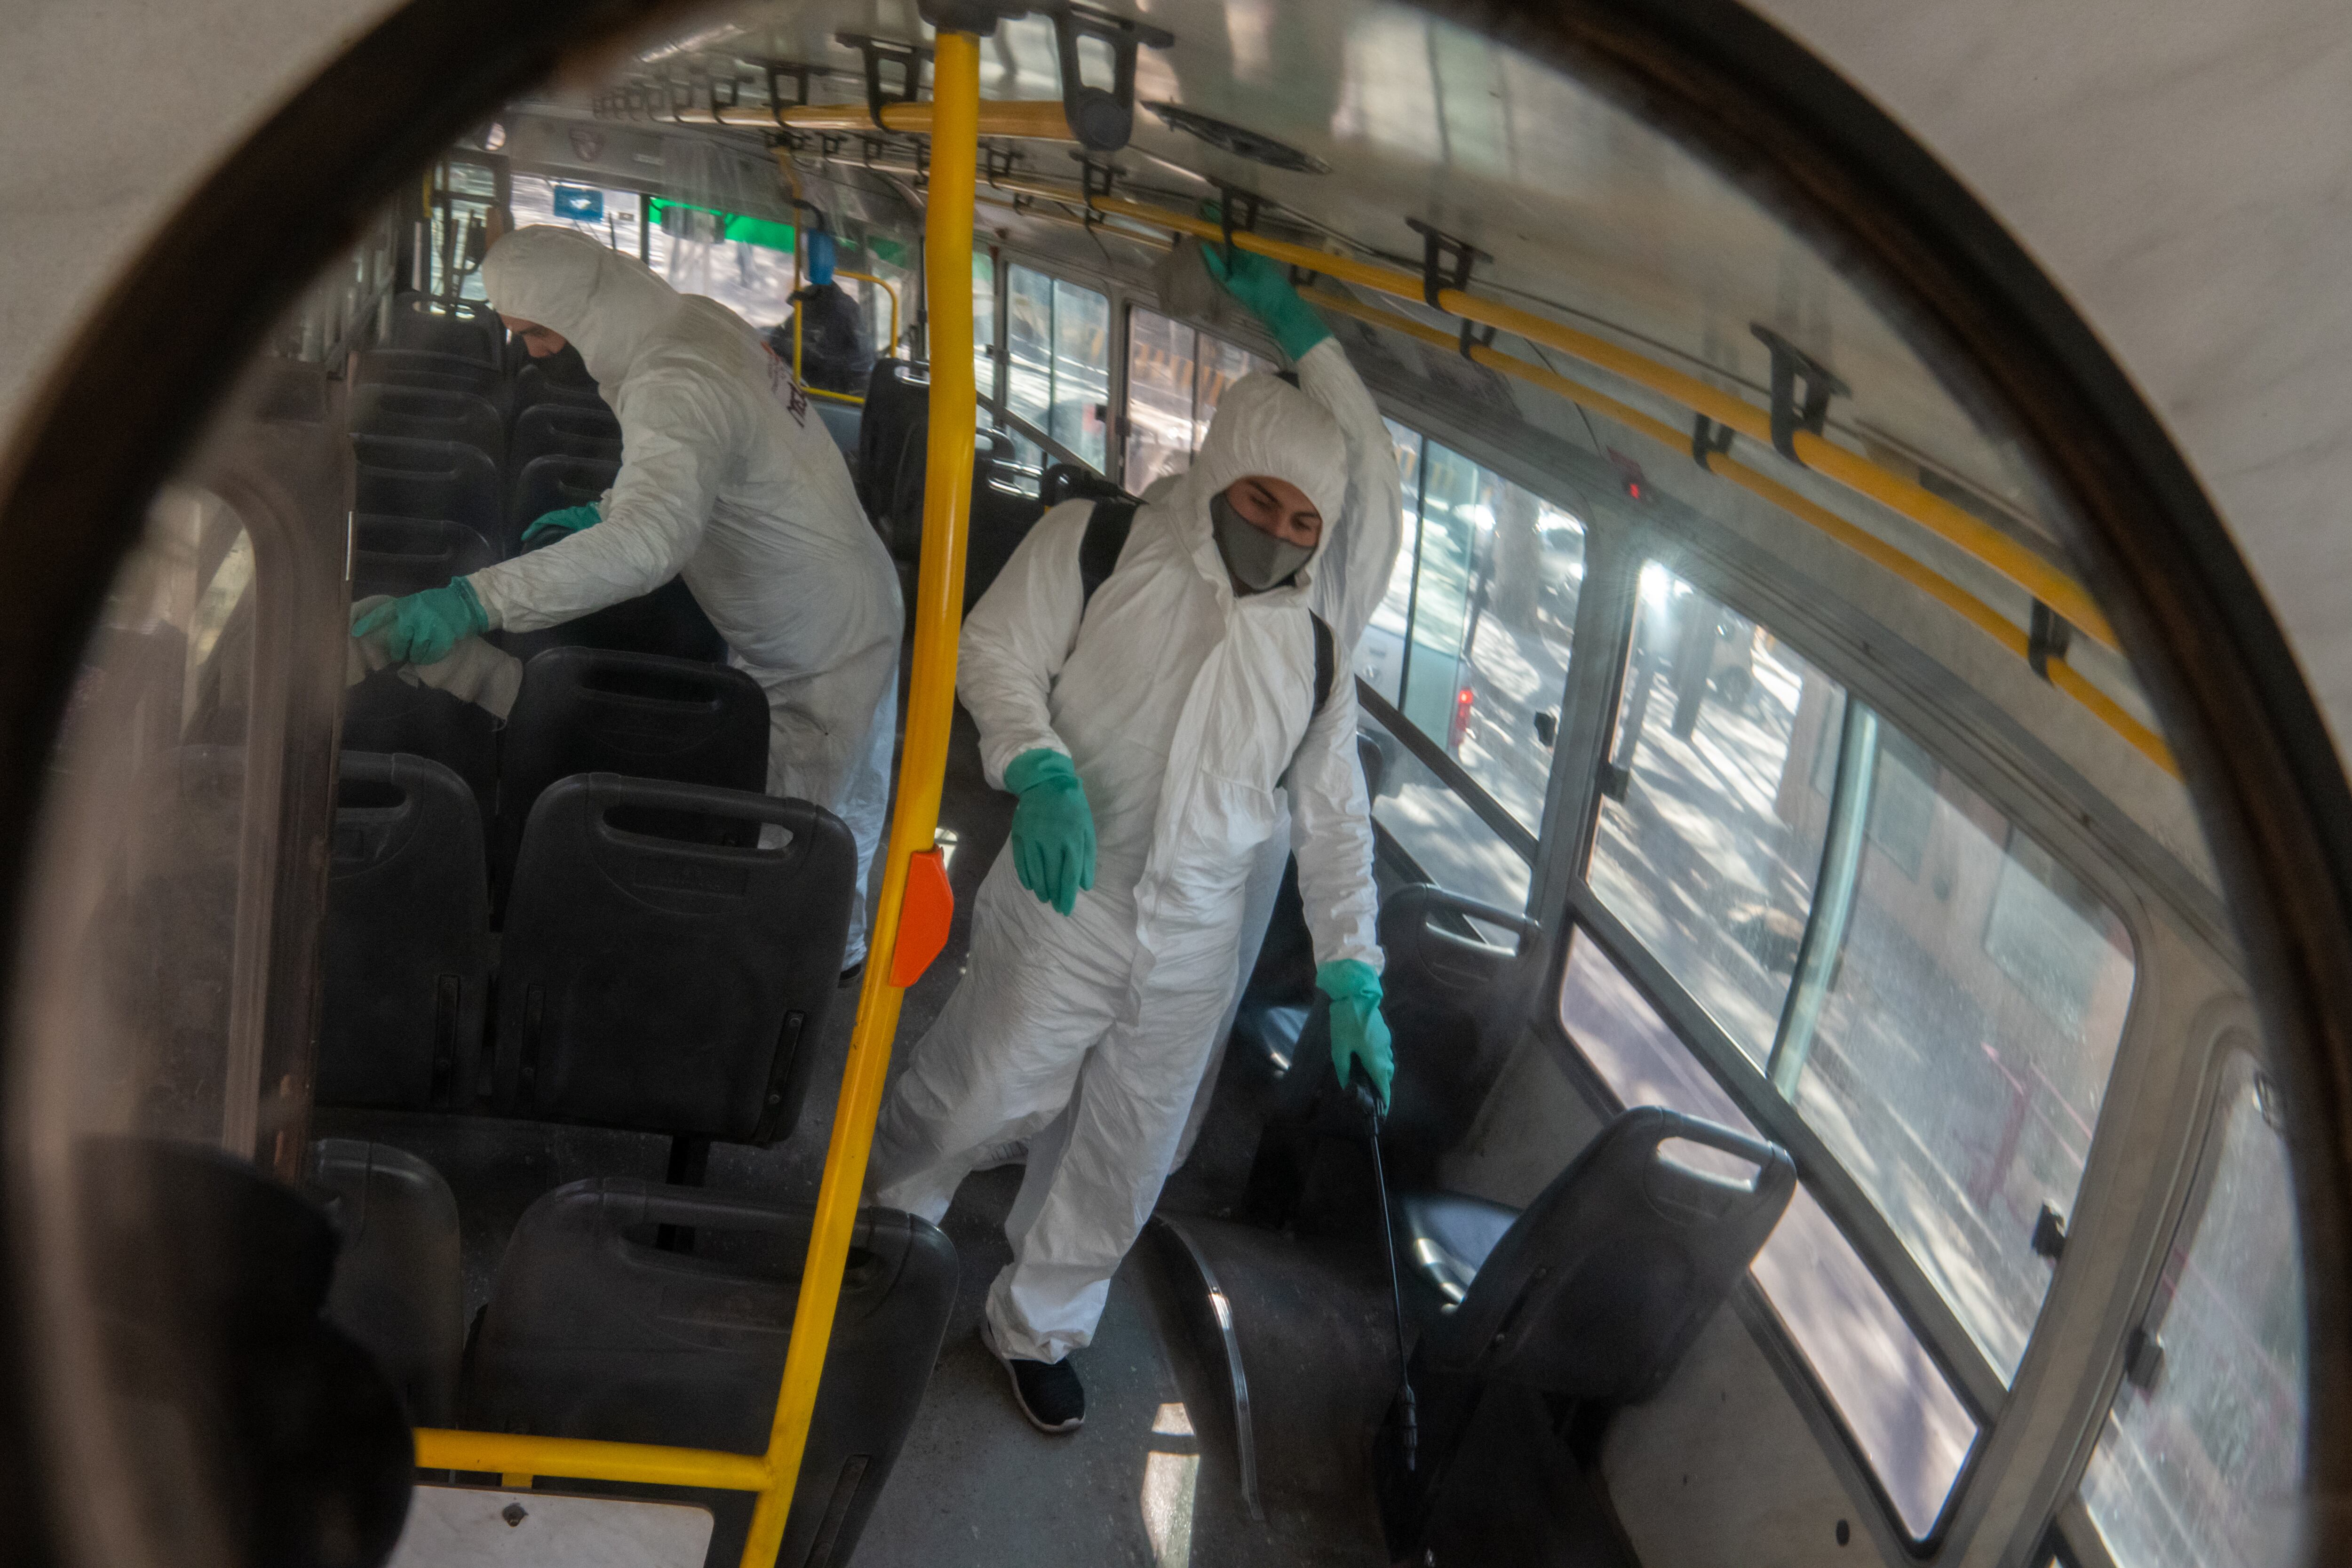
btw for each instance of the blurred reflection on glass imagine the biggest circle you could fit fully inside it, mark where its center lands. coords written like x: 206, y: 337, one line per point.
x: 2201, y: 1461
x: 1708, y: 844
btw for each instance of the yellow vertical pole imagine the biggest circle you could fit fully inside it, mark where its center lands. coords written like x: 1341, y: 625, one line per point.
x: 947, y: 501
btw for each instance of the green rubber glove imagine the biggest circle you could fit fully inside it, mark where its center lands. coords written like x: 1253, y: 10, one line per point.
x: 1052, y: 832
x: 1265, y: 288
x: 1358, y: 1033
x: 421, y: 629
x: 569, y: 519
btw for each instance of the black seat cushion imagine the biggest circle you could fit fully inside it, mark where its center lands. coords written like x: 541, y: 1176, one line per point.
x: 403, y: 477
x: 1446, y: 1238
x: 593, y: 1331
x: 430, y: 414
x: 397, y: 1288
x: 400, y: 555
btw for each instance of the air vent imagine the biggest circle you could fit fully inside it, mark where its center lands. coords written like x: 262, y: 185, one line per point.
x: 1241, y: 143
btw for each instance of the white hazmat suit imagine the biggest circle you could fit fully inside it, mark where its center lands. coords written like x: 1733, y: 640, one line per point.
x: 728, y: 479
x: 1183, y: 707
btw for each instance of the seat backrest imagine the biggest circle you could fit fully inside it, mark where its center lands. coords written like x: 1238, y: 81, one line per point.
x: 1599, y: 1288
x: 471, y: 331
x: 550, y: 484
x: 589, y: 710
x: 429, y: 414
x: 897, y: 394
x: 408, y: 938
x: 670, y: 984
x: 398, y: 1288
x: 594, y: 1332
x: 901, y: 520
x: 668, y: 623
x: 432, y: 371
x: 406, y: 554
x: 559, y: 378
x: 563, y: 430
x: 386, y: 714
x: 1002, y: 518
x: 402, y: 477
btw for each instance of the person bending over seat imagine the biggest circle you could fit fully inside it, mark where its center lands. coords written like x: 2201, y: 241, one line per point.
x: 726, y: 480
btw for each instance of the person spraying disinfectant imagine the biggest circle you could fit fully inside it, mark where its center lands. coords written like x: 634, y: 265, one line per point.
x: 726, y: 480
x: 1142, y: 679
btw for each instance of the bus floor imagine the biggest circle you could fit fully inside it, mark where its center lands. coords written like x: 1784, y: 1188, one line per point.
x: 1151, y: 1480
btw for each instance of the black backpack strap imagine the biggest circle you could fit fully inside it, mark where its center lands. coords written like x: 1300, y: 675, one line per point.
x: 1327, y: 661
x: 1106, y: 536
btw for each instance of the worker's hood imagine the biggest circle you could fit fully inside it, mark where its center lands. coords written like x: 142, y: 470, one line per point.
x: 609, y: 306
x: 1265, y: 426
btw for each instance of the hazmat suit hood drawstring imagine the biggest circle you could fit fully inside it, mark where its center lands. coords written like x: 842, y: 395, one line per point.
x: 609, y: 306
x: 1263, y: 426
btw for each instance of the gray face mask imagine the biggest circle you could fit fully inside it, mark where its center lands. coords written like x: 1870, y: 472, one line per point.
x: 1257, y: 560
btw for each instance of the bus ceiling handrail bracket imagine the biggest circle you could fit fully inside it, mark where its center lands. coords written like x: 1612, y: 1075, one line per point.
x: 1802, y: 389
x: 1102, y: 119
x: 2048, y: 636
x: 778, y: 72
x: 997, y: 162
x: 1709, y: 440
x: 1098, y: 177
x: 1238, y: 213
x: 877, y: 52
x: 1445, y: 263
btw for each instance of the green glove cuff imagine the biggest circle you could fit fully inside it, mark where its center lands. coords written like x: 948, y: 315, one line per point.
x: 473, y: 602
x: 565, y: 520
x: 1296, y: 327
x: 1042, y: 765
x: 1348, y: 980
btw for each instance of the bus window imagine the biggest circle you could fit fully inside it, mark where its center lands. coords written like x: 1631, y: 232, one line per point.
x: 1081, y: 373
x: 1456, y: 516
x: 616, y: 217
x: 1513, y: 664
x: 1029, y: 347
x: 2201, y: 1459
x: 1710, y: 833
x: 1379, y: 653
x: 1954, y: 1059
x: 1445, y: 837
x: 1175, y: 375
x: 1898, y: 1408
x: 984, y: 352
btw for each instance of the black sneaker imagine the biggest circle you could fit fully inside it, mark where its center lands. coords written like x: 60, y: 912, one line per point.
x: 1048, y: 1392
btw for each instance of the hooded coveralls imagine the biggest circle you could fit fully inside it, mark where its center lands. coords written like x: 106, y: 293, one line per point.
x: 729, y: 481
x: 1182, y: 706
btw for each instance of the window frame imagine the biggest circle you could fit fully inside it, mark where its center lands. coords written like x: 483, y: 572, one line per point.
x: 1619, y: 540
x: 1005, y: 258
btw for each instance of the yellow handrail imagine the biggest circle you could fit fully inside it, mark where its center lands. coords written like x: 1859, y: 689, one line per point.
x: 1983, y: 616
x: 578, y: 1458
x: 889, y: 288
x: 914, y: 828
x: 1035, y: 120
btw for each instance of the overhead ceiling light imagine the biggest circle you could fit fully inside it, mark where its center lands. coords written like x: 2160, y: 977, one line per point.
x: 1241, y: 143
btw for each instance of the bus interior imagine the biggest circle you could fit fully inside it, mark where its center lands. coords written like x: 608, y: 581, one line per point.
x: 1847, y: 1081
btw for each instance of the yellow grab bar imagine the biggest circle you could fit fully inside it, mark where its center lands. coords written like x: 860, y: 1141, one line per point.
x: 1033, y: 120
x: 1983, y: 616
x: 865, y: 278
x: 914, y: 827
x: 578, y: 1458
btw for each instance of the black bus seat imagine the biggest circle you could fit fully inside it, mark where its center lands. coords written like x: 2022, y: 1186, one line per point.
x: 1001, y: 516
x: 898, y: 396
x: 594, y: 1332
x: 1447, y: 997
x: 668, y: 622
x: 432, y: 371
x: 1589, y: 1298
x: 656, y: 979
x: 403, y: 477
x: 560, y: 378
x: 468, y: 329
x: 843, y: 422
x: 386, y: 715
x: 427, y: 413
x: 563, y: 430
x: 407, y: 946
x: 397, y: 1286
x: 1597, y: 1288
x: 596, y: 711
x: 550, y: 484
x: 408, y: 555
